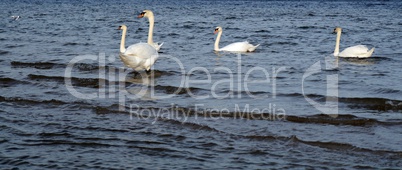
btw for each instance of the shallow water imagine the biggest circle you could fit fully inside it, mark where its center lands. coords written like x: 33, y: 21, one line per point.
x: 197, y: 108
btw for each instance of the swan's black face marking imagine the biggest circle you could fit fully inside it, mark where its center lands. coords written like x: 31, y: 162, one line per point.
x: 216, y: 29
x: 336, y: 30
x: 119, y: 28
x: 141, y: 15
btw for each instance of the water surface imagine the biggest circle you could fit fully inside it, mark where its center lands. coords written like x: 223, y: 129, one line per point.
x: 197, y: 108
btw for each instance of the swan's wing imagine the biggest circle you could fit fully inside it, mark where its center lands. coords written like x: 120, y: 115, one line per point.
x: 132, y: 61
x: 238, y: 46
x: 356, y: 51
x: 141, y: 50
x: 139, y: 56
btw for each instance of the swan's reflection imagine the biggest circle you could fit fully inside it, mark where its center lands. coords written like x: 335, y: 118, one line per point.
x: 139, y: 85
x: 335, y: 62
x: 142, y: 78
x: 359, y: 61
x: 218, y: 57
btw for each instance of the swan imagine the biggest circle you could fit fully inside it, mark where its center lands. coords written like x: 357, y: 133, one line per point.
x: 138, y: 56
x: 234, y: 47
x: 15, y: 17
x: 150, y: 15
x: 358, y: 51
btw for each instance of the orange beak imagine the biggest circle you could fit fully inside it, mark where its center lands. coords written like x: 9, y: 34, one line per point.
x: 216, y: 31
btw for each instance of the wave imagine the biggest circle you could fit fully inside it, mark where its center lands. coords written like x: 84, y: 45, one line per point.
x: 51, y: 65
x: 310, y: 27
x: 293, y: 138
x: 9, y: 82
x: 387, y: 91
x: 150, y: 74
x: 88, y: 67
x: 74, y: 44
x: 379, y: 104
x: 326, y: 119
x: 31, y: 101
x: 14, y: 46
x: 262, y: 31
x: 80, y: 82
x: 190, y: 125
x: 284, y: 43
x: 341, y: 119
x: 37, y: 65
x: 64, y: 142
x: 2, y: 52
x: 344, y: 147
x: 370, y: 103
x: 177, y: 90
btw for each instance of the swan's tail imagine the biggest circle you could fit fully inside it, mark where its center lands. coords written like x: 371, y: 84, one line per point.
x: 158, y: 47
x: 371, y: 51
x: 252, y: 48
x: 366, y: 54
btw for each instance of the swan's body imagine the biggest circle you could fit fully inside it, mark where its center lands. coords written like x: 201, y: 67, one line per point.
x: 358, y: 51
x: 139, y: 56
x: 150, y: 15
x: 15, y: 17
x: 234, y: 47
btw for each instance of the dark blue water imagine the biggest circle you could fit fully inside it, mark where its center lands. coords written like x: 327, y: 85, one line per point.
x: 68, y: 102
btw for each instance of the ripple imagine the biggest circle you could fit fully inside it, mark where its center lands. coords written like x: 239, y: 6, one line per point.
x: 36, y: 65
x: 9, y: 82
x: 43, y: 126
x: 339, y: 120
x: 19, y: 100
x: 2, y: 52
x: 80, y: 82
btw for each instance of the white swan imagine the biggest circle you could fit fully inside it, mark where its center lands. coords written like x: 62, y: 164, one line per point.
x: 150, y: 15
x: 138, y: 56
x: 15, y: 17
x: 234, y: 47
x: 358, y: 51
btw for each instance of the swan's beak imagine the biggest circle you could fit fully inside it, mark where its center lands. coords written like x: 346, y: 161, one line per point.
x: 119, y: 28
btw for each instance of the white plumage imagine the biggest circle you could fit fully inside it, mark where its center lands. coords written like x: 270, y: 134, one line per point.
x: 139, y: 56
x: 358, y: 51
x: 234, y: 47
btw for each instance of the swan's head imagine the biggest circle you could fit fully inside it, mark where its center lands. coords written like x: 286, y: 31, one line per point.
x: 218, y: 29
x: 122, y: 27
x: 337, y: 29
x: 146, y: 14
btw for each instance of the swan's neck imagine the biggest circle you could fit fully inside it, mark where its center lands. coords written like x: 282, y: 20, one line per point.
x: 151, y: 29
x: 338, y: 40
x: 218, y: 38
x: 123, y: 40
